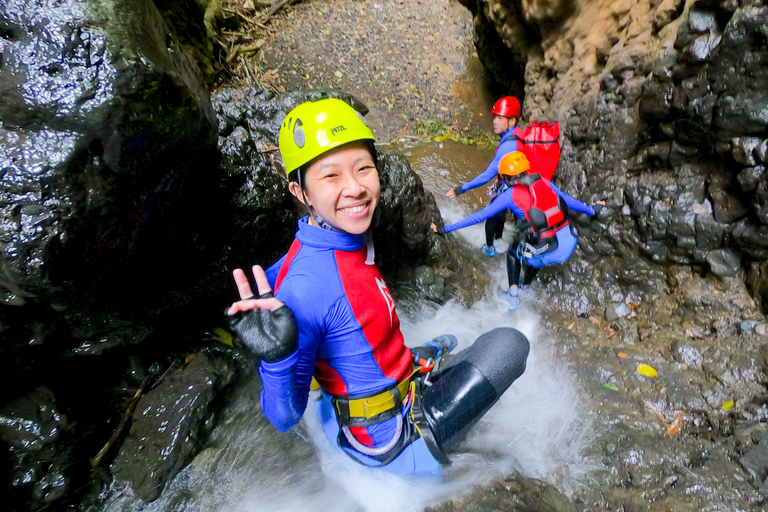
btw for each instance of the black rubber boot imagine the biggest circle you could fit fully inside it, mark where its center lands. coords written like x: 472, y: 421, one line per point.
x: 470, y: 383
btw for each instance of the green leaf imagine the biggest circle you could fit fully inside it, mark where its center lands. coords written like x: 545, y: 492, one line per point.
x: 610, y: 386
x: 222, y: 335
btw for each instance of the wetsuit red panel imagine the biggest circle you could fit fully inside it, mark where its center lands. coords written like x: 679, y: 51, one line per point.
x: 374, y: 309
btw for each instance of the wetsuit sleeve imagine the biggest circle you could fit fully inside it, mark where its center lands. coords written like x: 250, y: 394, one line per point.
x: 492, y: 170
x: 281, y: 398
x: 285, y: 383
x: 503, y: 202
x: 573, y: 204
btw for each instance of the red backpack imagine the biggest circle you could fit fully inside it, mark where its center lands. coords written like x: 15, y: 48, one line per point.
x: 541, y: 144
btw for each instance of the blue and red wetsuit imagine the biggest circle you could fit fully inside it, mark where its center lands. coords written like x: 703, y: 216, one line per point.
x: 517, y: 198
x: 349, y: 339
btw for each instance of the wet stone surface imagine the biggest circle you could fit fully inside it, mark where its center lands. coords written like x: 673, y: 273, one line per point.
x: 35, y: 434
x: 709, y: 370
x: 104, y: 119
x: 511, y: 494
x: 170, y: 425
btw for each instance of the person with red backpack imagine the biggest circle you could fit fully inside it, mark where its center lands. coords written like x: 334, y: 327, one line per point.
x: 544, y: 210
x: 506, y: 113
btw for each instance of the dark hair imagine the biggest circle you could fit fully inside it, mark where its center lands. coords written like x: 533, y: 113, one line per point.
x: 294, y: 175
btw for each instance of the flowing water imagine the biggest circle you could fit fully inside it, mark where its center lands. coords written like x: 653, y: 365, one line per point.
x: 536, y: 428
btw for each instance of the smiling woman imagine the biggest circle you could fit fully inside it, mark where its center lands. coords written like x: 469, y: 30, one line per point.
x: 342, y: 188
x: 332, y: 317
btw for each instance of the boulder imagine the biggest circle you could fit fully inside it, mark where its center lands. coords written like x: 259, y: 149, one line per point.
x: 36, y: 450
x: 168, y: 425
x: 108, y: 139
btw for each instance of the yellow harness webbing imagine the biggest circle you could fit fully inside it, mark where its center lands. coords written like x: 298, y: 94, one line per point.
x: 357, y: 411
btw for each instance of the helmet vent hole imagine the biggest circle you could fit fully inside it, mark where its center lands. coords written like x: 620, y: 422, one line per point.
x: 298, y: 133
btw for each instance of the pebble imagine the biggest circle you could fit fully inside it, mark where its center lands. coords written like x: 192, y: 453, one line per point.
x: 760, y: 329
x: 746, y: 326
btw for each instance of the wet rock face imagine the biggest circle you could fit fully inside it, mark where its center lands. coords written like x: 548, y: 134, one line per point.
x: 505, y: 32
x: 170, y: 425
x: 513, y: 494
x: 662, y: 106
x: 35, y: 452
x: 106, y: 130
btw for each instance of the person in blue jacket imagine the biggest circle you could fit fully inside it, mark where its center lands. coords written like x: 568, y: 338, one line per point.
x: 506, y: 112
x: 543, y: 210
x: 331, y: 323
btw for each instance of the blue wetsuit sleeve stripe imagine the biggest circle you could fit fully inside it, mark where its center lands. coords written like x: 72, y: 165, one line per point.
x: 499, y: 204
x: 573, y: 204
x: 506, y: 146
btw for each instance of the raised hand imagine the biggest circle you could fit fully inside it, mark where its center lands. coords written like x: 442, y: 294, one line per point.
x: 247, y: 300
x: 264, y: 325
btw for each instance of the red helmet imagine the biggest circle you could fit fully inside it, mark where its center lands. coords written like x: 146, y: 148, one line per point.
x: 508, y: 106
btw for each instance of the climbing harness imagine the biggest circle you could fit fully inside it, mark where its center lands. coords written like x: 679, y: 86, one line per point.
x: 402, y: 402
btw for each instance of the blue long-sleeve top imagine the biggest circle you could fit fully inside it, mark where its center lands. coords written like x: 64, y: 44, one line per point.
x: 517, y: 198
x: 507, y: 145
x: 349, y: 332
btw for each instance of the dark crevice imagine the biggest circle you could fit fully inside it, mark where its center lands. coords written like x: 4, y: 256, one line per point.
x: 7, y: 34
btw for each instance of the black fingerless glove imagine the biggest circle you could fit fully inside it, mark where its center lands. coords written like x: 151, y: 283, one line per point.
x: 270, y: 335
x: 440, y: 230
x: 457, y: 190
x: 597, y: 208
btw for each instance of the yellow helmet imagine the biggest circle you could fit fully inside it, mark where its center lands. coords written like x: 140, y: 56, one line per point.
x: 514, y: 163
x: 315, y: 127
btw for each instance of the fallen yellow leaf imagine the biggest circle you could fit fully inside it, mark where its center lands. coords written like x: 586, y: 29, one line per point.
x: 648, y: 371
x: 728, y: 404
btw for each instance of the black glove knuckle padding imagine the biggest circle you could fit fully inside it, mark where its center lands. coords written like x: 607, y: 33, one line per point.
x: 271, y: 335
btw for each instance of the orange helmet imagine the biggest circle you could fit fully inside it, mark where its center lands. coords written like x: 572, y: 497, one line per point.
x: 514, y: 163
x: 508, y: 106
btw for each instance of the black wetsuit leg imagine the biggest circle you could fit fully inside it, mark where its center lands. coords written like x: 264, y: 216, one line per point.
x: 519, y: 272
x: 494, y: 226
x: 469, y: 384
x: 529, y: 274
x: 501, y: 218
x: 514, y: 265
